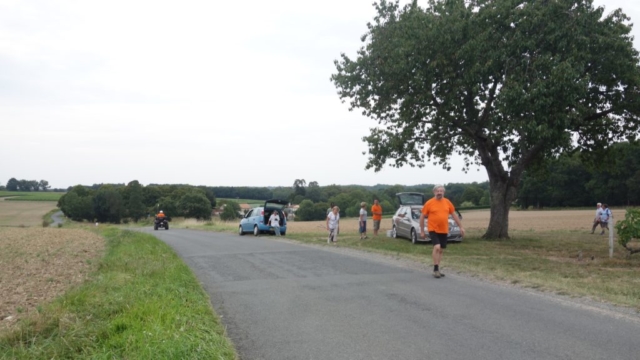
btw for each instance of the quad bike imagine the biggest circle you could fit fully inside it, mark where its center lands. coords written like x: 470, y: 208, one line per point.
x: 161, y: 223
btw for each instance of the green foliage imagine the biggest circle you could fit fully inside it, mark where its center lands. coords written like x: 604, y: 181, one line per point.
x: 231, y: 211
x: 108, y: 205
x: 629, y: 229
x: 505, y: 86
x: 195, y: 205
x: 135, y: 205
x: 27, y: 185
x: 77, y: 204
x: 467, y: 204
x: 151, y: 195
x: 308, y: 211
x: 168, y: 205
x: 209, y: 194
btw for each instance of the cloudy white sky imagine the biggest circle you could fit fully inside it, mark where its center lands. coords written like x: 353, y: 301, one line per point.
x: 218, y: 93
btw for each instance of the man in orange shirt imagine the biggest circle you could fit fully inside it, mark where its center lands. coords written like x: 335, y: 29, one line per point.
x: 376, y: 214
x: 437, y: 211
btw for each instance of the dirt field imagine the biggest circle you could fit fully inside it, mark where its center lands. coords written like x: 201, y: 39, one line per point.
x: 479, y: 220
x: 24, y: 213
x: 38, y: 264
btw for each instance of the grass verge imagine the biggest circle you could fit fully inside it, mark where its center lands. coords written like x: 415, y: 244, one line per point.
x: 31, y: 196
x: 143, y: 302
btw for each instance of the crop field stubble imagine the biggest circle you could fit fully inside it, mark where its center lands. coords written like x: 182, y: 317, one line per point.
x: 24, y: 213
x: 478, y: 220
x: 39, y: 264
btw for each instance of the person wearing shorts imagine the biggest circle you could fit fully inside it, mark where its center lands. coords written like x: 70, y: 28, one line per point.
x: 376, y: 215
x: 437, y: 210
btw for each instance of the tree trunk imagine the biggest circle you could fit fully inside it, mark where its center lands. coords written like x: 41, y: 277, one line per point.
x: 502, y: 195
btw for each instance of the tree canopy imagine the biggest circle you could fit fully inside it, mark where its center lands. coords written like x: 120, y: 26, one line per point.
x: 504, y: 83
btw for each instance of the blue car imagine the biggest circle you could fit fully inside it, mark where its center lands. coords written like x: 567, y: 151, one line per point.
x: 257, y: 219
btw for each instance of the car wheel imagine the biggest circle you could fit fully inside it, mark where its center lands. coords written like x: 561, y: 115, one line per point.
x: 394, y: 232
x: 414, y: 236
x: 256, y: 232
x: 166, y: 227
x: 283, y: 234
x: 155, y: 227
x: 240, y: 232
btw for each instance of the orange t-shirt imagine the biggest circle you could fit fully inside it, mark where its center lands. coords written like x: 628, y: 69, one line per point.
x: 376, y: 210
x: 437, y: 213
x: 160, y: 215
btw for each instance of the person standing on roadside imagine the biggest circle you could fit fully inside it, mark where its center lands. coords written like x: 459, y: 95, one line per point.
x: 437, y: 210
x: 333, y: 224
x: 376, y: 215
x: 596, y: 220
x: 604, y: 218
x: 363, y: 221
x: 274, y: 222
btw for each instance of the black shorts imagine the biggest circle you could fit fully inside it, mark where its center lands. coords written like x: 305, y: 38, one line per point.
x: 438, y: 239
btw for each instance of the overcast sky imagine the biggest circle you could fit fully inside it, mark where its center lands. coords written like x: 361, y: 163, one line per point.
x: 218, y: 93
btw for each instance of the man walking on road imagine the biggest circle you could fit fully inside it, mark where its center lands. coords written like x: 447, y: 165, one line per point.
x: 437, y: 211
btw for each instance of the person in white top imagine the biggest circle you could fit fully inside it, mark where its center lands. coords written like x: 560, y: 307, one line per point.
x: 333, y: 223
x: 274, y: 222
x: 363, y: 221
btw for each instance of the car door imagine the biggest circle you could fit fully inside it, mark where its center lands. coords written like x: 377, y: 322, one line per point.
x: 246, y: 222
x: 404, y: 225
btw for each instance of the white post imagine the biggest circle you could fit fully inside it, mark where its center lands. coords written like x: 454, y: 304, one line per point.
x: 611, y: 236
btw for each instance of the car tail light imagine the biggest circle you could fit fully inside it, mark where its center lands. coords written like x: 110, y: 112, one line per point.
x: 262, y: 213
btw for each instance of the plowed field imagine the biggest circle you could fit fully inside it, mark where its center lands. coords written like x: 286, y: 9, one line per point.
x: 24, y: 213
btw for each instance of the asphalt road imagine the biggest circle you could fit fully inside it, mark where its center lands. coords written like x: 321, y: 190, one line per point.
x: 57, y: 218
x: 281, y: 300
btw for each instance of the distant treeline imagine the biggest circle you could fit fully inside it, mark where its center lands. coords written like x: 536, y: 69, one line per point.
x: 116, y: 203
x: 28, y: 185
x: 569, y: 182
x: 564, y: 182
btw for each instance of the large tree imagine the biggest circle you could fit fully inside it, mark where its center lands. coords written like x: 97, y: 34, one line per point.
x: 504, y: 83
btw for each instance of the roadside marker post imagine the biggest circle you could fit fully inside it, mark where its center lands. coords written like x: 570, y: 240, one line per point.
x: 611, y: 235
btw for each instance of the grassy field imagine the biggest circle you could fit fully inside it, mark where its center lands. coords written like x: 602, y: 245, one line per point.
x: 142, y: 302
x: 244, y: 201
x: 24, y: 213
x: 548, y: 250
x: 30, y: 196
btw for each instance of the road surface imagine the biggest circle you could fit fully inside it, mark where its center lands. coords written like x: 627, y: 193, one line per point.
x: 281, y: 300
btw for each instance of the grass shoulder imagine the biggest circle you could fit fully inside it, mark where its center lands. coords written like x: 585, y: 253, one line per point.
x: 142, y: 302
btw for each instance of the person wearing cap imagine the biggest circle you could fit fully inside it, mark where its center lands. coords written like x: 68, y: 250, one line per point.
x: 160, y: 214
x: 605, y: 215
x: 363, y: 221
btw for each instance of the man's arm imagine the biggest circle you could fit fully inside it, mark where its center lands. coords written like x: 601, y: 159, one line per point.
x: 422, y: 235
x: 457, y: 220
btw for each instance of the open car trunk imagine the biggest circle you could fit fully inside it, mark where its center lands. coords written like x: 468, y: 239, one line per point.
x: 275, y: 205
